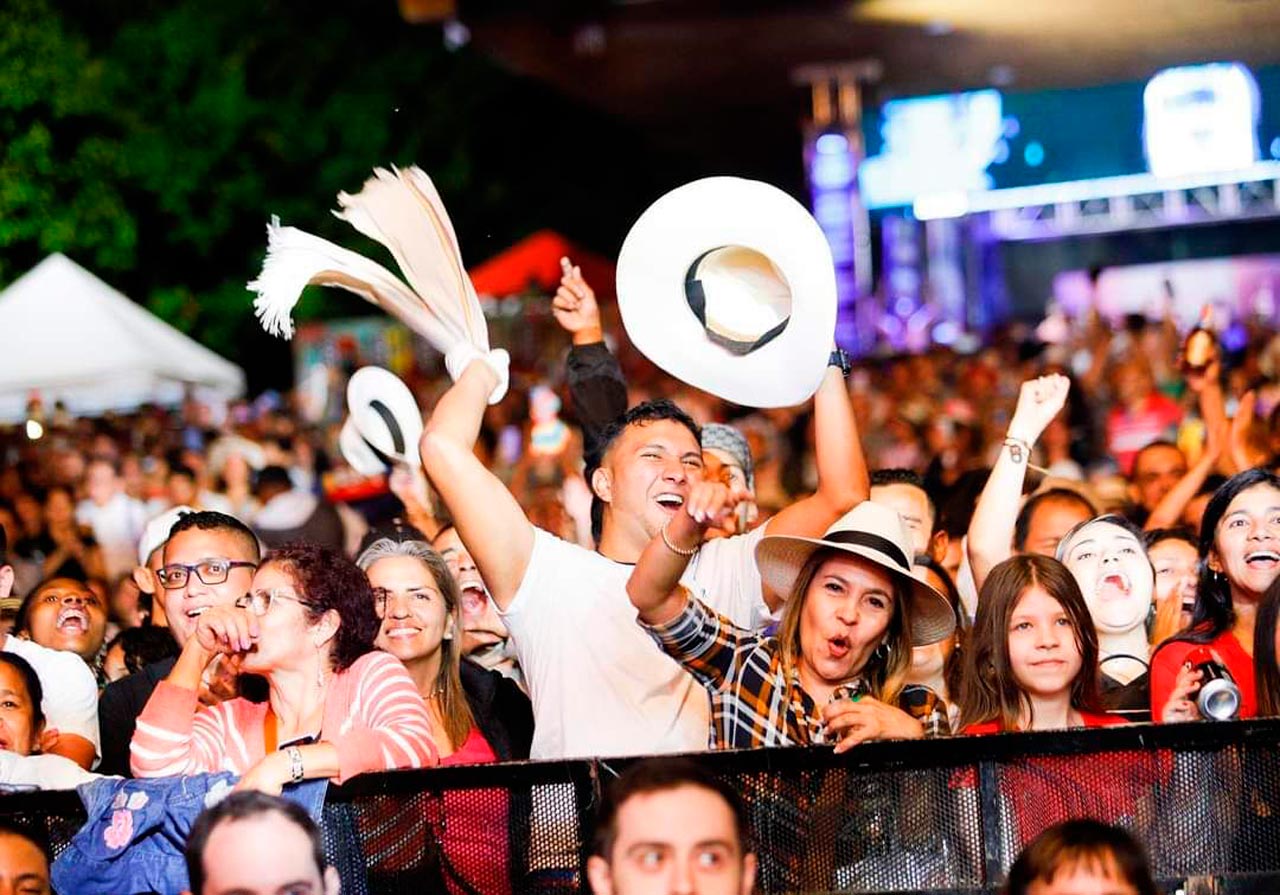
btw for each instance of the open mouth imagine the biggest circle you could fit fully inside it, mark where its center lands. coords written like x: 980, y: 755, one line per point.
x: 838, y: 647
x: 670, y: 501
x: 1264, y: 559
x: 402, y: 633
x: 197, y: 611
x: 1114, y: 586
x: 73, y: 620
x: 473, y: 598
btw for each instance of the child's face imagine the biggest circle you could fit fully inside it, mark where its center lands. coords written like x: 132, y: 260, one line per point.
x: 1042, y: 645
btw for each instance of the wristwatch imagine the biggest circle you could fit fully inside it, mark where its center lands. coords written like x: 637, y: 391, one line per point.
x: 840, y: 359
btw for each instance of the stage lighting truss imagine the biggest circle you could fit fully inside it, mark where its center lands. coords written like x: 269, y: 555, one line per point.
x: 1138, y: 202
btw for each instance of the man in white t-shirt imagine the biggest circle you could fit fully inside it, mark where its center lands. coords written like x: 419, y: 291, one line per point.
x: 70, y: 701
x: 599, y: 685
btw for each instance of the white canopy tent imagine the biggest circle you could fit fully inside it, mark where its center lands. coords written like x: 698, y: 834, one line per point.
x: 66, y: 335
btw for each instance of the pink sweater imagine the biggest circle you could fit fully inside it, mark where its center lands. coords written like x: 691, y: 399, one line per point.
x: 373, y: 715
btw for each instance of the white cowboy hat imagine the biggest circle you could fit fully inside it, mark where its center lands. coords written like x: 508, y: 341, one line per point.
x: 875, y: 533
x: 728, y: 285
x: 356, y: 451
x: 384, y: 414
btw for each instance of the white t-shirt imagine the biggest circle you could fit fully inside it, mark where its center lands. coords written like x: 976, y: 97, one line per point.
x: 599, y: 684
x: 117, y: 527
x: 70, y: 691
x: 41, y: 771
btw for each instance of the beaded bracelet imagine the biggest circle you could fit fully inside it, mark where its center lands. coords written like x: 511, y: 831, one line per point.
x: 672, y: 547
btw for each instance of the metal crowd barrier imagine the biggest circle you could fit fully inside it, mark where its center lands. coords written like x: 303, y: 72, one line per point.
x: 940, y: 816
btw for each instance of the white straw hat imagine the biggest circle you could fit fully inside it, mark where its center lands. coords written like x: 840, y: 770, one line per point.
x: 384, y: 414
x: 728, y: 285
x: 875, y: 533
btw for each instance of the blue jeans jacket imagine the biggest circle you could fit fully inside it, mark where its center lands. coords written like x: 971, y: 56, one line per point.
x: 133, y: 841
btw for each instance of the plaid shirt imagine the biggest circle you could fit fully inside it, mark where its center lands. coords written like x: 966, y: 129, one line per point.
x: 754, y: 700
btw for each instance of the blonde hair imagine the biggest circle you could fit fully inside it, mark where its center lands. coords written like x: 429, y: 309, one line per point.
x: 885, y: 674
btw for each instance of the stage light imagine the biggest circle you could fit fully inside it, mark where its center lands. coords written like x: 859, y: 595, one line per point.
x: 35, y: 431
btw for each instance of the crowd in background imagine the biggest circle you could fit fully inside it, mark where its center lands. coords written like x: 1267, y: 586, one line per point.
x: 1054, y: 532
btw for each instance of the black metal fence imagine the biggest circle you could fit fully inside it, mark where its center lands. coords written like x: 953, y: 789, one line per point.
x: 929, y: 816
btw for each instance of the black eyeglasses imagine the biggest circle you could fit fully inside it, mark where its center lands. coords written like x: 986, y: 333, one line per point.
x: 209, y: 571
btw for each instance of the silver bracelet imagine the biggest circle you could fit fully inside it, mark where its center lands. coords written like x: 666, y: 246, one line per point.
x: 672, y: 547
x: 295, y: 763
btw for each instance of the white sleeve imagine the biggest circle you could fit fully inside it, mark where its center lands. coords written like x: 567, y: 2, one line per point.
x: 70, y: 691
x: 727, y: 579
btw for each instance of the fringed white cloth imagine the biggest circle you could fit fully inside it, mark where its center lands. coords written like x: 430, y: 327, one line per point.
x: 402, y: 211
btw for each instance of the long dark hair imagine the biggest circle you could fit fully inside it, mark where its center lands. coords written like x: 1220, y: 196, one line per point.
x: 989, y: 691
x: 1213, y: 614
x: 1265, y: 669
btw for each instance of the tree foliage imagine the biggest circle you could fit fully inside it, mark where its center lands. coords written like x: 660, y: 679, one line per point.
x: 152, y: 140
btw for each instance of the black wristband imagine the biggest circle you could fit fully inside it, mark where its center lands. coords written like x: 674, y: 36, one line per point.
x: 839, y: 359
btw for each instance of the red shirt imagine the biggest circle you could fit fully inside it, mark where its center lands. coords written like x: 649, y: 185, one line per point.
x: 1089, y: 719
x: 1168, y: 660
x: 1130, y: 431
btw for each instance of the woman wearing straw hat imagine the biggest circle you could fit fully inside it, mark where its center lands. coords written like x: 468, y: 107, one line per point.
x: 834, y: 672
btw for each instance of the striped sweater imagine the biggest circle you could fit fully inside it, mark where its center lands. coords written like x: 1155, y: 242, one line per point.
x: 373, y: 715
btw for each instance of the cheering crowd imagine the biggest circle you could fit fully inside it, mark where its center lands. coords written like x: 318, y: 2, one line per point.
x: 1026, y: 537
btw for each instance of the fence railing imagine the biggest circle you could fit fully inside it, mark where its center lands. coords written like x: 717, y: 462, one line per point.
x: 925, y: 816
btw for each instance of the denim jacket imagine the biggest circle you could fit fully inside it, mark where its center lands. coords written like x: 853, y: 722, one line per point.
x: 133, y: 841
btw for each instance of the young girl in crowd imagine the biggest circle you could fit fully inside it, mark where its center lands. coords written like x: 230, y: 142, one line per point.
x: 1239, y: 559
x: 835, y: 671
x: 1108, y: 560
x: 1032, y: 657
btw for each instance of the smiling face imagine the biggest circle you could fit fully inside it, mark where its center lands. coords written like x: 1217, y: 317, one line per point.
x: 1246, y: 545
x: 1110, y: 565
x: 183, y: 605
x: 64, y: 614
x: 415, y: 616
x: 18, y: 730
x: 646, y: 478
x: 1044, y: 654
x: 846, y: 613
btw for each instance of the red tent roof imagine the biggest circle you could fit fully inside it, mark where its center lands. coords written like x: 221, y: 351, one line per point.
x: 534, y: 263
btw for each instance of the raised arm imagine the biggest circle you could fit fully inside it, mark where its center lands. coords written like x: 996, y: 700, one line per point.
x: 597, y: 387
x: 1168, y: 512
x: 490, y: 522
x: 843, y: 481
x: 654, y: 586
x: 990, y: 536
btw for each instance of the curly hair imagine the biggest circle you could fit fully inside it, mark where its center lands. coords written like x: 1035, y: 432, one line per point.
x: 328, y: 580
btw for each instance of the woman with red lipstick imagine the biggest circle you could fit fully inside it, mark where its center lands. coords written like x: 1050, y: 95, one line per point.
x: 1032, y: 657
x: 835, y: 671
x: 1239, y: 560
